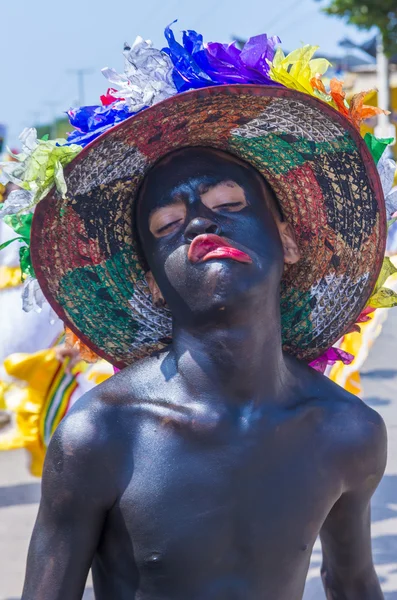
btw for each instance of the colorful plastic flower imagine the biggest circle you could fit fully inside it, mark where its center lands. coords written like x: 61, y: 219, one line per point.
x: 355, y: 110
x: 384, y: 297
x: 40, y: 164
x: 330, y: 357
x: 229, y: 64
x: 109, y: 98
x: 387, y: 172
x: 190, y: 62
x: 200, y: 65
x: 147, y: 76
x: 298, y: 68
x: 91, y: 121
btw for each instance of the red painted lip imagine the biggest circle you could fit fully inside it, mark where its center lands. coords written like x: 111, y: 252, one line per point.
x: 210, y: 246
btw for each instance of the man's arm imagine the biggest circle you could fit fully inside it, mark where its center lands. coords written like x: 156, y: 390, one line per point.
x: 76, y: 495
x: 348, y: 572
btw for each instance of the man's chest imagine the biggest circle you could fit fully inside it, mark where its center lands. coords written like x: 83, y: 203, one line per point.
x: 215, y: 498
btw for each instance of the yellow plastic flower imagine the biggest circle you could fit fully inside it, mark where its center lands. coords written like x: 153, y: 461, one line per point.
x: 300, y: 71
x: 384, y: 297
x: 2, y: 192
x: 297, y: 69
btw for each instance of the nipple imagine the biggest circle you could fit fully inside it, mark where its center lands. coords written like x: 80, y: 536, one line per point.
x: 153, y: 560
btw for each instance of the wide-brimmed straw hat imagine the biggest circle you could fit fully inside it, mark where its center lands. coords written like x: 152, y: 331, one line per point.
x: 84, y: 249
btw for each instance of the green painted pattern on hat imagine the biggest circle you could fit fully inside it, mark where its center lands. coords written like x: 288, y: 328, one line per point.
x: 106, y: 289
x: 295, y: 315
x: 276, y: 154
x: 340, y: 144
x: 281, y: 156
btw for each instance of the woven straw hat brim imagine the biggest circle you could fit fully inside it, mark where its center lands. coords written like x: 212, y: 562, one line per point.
x: 83, y: 249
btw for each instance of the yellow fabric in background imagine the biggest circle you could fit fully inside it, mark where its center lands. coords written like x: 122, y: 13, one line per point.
x: 10, y: 277
x: 355, y: 343
x: 26, y: 399
x: 3, y: 388
x: 359, y: 344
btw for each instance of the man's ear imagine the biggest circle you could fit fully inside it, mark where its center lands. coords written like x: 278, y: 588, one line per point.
x: 157, y: 296
x: 288, y: 240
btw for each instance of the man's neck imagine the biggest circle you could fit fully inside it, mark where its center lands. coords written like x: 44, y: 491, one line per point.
x: 240, y: 362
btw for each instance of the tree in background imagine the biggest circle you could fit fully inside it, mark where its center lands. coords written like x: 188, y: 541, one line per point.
x: 369, y: 13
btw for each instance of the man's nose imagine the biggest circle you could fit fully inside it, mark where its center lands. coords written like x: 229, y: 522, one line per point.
x: 200, y: 225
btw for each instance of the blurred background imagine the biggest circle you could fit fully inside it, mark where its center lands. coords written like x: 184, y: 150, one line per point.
x: 52, y: 55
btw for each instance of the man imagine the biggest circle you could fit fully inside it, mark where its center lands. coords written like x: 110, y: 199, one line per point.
x: 211, y: 246
x: 207, y: 472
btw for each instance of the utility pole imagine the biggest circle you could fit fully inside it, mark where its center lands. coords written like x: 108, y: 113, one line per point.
x: 81, y: 73
x: 384, y: 128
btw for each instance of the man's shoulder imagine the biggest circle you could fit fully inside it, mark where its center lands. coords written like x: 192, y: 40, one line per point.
x: 85, y: 429
x: 354, y: 433
x: 350, y: 418
x: 86, y: 452
x: 103, y: 410
x: 125, y: 386
x: 96, y: 437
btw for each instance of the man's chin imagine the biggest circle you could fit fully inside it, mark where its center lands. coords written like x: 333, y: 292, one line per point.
x: 219, y: 284
x: 214, y: 276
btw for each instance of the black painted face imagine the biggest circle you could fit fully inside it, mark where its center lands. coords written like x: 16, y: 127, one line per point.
x: 199, y: 191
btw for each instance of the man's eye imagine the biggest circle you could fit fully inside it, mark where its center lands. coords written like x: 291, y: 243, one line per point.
x: 167, y: 227
x: 167, y: 218
x: 233, y: 206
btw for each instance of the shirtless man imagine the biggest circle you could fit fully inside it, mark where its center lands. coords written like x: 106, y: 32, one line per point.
x: 207, y: 472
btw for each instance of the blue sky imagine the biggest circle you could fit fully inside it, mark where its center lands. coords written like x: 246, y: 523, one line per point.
x: 41, y: 40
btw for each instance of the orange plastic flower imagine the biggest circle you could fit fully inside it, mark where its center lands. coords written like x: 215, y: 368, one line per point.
x: 360, y: 111
x: 72, y: 341
x: 317, y: 84
x: 339, y: 96
x: 356, y: 111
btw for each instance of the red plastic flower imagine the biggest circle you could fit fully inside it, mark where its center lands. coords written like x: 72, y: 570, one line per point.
x: 108, y: 98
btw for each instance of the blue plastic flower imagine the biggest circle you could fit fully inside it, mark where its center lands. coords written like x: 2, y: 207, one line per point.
x: 92, y: 121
